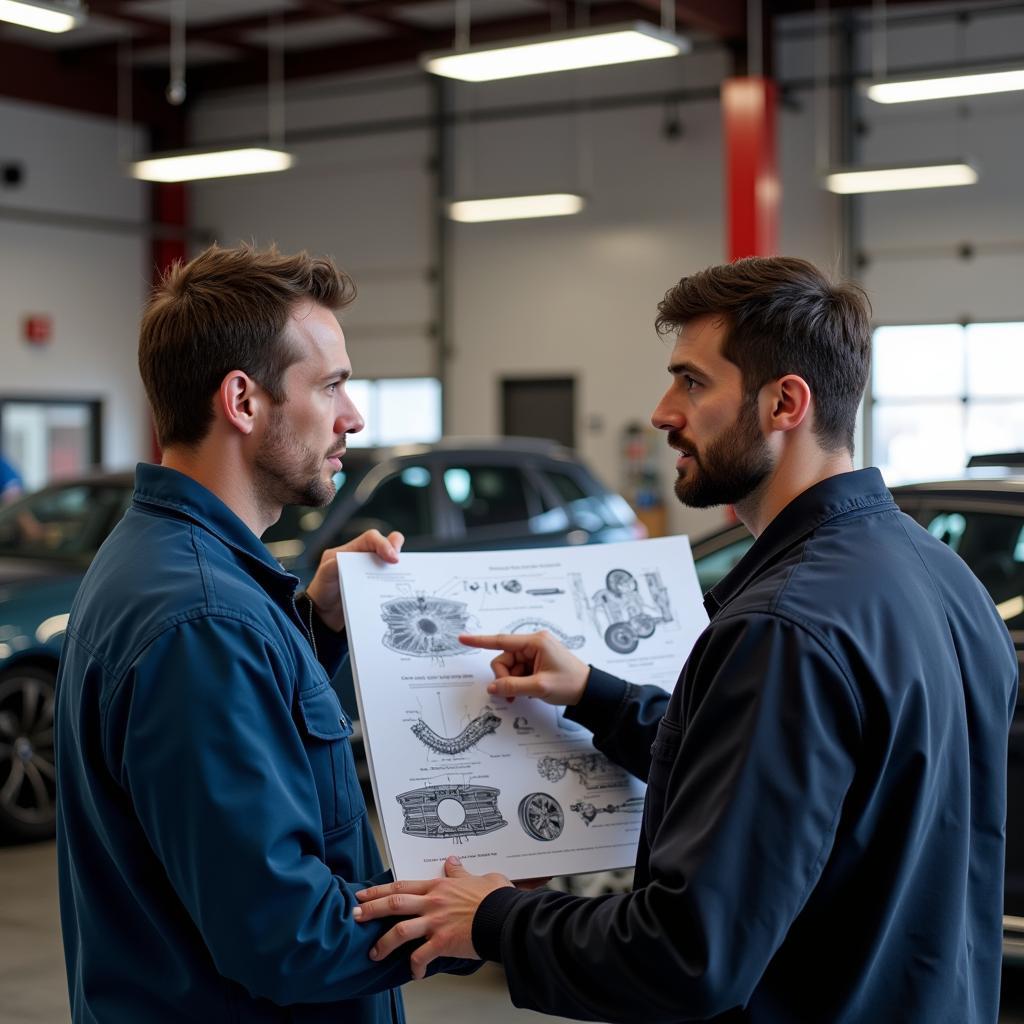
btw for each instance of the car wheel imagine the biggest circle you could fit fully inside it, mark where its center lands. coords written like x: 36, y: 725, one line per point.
x: 28, y: 783
x: 619, y: 636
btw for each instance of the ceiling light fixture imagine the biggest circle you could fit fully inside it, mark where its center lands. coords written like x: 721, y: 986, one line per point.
x: 912, y: 90
x: 894, y: 177
x: 219, y: 163
x: 563, y: 51
x: 556, y: 204
x: 46, y: 17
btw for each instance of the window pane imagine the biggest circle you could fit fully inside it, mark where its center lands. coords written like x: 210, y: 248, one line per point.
x: 992, y: 546
x: 918, y: 440
x: 924, y: 361
x: 487, y: 495
x: 716, y: 566
x: 401, y: 502
x: 995, y: 359
x: 360, y: 391
x: 995, y: 427
x: 408, y: 411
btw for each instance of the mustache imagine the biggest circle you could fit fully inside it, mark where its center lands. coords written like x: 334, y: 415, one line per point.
x: 676, y: 440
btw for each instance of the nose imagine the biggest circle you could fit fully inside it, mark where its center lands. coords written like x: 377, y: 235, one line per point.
x: 348, y: 420
x: 665, y: 417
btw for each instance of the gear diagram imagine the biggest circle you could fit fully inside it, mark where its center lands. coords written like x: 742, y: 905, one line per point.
x: 451, y: 811
x: 425, y: 627
x: 595, y: 771
x: 541, y: 816
x: 483, y: 725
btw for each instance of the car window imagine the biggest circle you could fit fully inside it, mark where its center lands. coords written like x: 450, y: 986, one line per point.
x: 993, y: 546
x: 65, y: 522
x: 400, y: 502
x: 488, y: 495
x: 591, y: 511
x: 717, y: 565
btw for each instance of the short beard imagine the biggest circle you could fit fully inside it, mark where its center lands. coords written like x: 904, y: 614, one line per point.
x: 289, y: 473
x: 732, y: 468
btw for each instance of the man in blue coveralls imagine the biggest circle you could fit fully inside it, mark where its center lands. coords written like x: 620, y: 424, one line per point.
x: 823, y: 832
x: 211, y: 829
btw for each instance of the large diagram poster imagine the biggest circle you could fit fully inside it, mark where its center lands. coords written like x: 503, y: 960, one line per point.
x: 509, y: 786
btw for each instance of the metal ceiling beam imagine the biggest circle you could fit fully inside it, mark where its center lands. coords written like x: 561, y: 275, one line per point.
x: 726, y: 19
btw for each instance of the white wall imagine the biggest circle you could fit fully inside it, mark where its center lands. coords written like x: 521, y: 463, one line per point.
x: 90, y: 281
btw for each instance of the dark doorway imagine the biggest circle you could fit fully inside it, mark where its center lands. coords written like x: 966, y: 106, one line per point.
x: 540, y: 407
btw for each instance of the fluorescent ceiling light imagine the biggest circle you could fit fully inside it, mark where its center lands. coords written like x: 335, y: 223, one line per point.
x: 894, y: 179
x: 473, y: 211
x: 43, y: 16
x: 912, y: 90
x: 223, y: 163
x: 564, y: 51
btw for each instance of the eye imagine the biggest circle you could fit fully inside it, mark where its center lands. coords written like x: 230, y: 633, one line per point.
x: 690, y: 382
x: 332, y: 388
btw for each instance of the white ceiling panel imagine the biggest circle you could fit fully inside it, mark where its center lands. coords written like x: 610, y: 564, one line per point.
x: 209, y: 12
x: 321, y: 32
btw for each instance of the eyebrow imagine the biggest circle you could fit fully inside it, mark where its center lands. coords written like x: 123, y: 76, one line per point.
x: 338, y: 374
x: 679, y: 369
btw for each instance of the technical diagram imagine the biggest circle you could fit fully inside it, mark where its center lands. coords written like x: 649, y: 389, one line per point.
x: 451, y: 811
x: 541, y: 816
x: 588, y: 812
x: 595, y: 771
x: 619, y: 613
x: 483, y: 725
x: 536, y: 625
x: 425, y: 627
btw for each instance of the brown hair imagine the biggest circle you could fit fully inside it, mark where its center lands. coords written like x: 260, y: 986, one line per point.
x: 225, y: 310
x: 785, y: 316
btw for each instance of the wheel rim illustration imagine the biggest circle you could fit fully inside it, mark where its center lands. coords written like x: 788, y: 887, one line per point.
x: 643, y: 625
x: 619, y: 636
x: 541, y: 817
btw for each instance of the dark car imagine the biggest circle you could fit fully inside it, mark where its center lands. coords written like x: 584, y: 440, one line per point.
x: 453, y: 496
x: 981, y: 517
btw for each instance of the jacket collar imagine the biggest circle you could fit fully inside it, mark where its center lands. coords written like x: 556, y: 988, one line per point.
x: 827, y: 500
x: 183, y: 497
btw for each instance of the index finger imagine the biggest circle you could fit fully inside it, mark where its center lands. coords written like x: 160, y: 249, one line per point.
x: 498, y: 641
x: 416, y: 888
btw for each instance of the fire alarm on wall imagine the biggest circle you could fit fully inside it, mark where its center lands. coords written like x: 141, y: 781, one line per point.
x: 38, y: 329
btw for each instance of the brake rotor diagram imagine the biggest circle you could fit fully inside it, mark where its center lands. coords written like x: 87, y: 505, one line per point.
x: 425, y: 627
x: 619, y: 612
x: 588, y: 811
x: 594, y: 771
x: 451, y: 811
x: 541, y: 817
x: 483, y: 725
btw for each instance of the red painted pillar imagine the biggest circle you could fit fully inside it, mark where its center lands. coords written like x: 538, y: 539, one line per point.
x: 169, y: 207
x: 753, y: 193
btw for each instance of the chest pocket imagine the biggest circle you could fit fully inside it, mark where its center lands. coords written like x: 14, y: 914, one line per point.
x: 325, y: 733
x: 664, y: 752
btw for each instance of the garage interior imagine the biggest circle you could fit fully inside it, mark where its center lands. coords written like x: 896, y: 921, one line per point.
x: 534, y: 326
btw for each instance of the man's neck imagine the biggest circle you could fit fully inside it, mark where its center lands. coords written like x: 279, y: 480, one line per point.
x: 227, y: 477
x: 795, y: 473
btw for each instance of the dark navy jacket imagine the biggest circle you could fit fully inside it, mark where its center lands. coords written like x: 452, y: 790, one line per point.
x: 824, y: 828
x: 211, y: 828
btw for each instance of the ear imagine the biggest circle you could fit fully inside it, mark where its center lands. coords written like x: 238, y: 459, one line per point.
x: 240, y: 400
x: 791, y: 402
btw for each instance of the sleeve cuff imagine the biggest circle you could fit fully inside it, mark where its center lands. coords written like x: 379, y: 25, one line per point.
x: 490, y: 918
x: 602, y: 698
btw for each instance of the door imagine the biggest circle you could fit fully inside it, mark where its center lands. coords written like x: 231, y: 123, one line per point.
x: 540, y: 407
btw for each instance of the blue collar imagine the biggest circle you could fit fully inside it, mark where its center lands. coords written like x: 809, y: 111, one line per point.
x: 861, y: 490
x: 179, y: 495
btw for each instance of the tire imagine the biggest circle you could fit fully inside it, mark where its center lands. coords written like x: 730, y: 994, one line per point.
x: 541, y: 817
x: 28, y: 782
x: 619, y: 636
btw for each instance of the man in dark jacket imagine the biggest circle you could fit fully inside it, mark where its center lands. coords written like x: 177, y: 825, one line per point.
x: 823, y: 832
x: 211, y: 830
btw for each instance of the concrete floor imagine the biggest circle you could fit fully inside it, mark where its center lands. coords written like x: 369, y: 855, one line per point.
x: 32, y: 984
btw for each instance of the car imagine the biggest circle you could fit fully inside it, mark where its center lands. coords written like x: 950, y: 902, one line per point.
x: 981, y: 516
x: 456, y: 495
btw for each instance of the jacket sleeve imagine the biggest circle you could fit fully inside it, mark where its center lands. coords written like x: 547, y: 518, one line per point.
x: 623, y: 718
x: 201, y: 737
x: 749, y: 796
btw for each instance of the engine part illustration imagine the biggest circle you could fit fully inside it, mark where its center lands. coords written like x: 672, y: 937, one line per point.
x: 595, y: 771
x: 588, y: 811
x: 546, y: 591
x: 541, y: 816
x: 535, y: 625
x: 451, y: 811
x: 426, y: 627
x: 512, y: 586
x: 483, y: 725
x: 619, y: 612
x: 522, y: 724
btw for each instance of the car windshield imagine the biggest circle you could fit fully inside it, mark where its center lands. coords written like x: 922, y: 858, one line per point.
x: 287, y: 538
x: 64, y: 523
